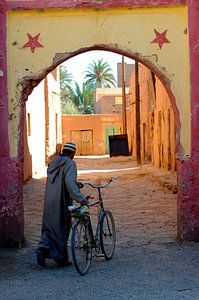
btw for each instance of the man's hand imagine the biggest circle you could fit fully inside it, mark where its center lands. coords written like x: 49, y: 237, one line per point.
x: 80, y: 184
x: 85, y: 201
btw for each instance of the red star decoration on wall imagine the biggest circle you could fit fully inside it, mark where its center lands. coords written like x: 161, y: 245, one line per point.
x: 33, y: 42
x: 161, y: 38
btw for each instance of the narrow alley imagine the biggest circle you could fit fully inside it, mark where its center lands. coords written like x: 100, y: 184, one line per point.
x: 144, y: 211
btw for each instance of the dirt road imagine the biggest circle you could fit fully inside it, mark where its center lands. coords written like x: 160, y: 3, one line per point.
x: 149, y: 263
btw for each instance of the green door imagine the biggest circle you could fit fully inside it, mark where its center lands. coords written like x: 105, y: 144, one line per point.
x: 110, y: 130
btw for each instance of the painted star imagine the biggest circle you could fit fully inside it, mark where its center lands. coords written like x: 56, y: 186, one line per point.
x: 33, y: 42
x: 160, y: 38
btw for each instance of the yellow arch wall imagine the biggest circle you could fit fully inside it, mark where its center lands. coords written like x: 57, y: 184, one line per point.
x: 131, y: 30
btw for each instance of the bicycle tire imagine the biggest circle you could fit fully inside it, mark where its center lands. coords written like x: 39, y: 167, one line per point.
x: 81, y: 247
x: 107, y: 235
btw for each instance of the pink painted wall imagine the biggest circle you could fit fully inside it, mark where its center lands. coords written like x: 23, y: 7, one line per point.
x: 11, y: 189
x: 22, y: 4
x: 188, y: 170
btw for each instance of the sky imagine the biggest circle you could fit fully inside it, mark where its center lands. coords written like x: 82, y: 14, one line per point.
x: 78, y: 64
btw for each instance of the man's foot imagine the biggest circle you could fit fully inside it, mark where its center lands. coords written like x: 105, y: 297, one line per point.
x: 41, y: 258
x: 63, y: 263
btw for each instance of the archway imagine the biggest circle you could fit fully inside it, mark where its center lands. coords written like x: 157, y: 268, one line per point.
x: 97, y: 32
x: 82, y: 126
x: 120, y: 52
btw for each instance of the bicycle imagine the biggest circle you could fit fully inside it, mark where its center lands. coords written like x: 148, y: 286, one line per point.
x: 85, y: 245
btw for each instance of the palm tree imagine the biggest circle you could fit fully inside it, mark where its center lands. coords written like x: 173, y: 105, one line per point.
x: 66, y: 78
x: 82, y: 98
x: 99, y: 74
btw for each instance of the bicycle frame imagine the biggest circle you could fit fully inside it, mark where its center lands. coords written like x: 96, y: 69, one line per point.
x: 94, y: 243
x: 101, y: 210
x: 95, y: 238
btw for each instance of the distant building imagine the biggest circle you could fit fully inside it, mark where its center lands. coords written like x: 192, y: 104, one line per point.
x: 109, y: 100
x: 90, y: 132
x: 128, y: 70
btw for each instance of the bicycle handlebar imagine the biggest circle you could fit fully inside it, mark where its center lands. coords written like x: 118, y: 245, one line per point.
x: 81, y: 184
x: 100, y: 186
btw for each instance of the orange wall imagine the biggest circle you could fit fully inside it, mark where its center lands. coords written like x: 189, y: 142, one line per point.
x: 157, y: 126
x: 96, y: 123
x: 164, y: 130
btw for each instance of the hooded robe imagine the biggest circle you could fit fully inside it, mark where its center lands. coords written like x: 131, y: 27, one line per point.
x: 61, y: 190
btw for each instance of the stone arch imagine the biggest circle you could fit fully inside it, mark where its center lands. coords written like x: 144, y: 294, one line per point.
x: 29, y: 83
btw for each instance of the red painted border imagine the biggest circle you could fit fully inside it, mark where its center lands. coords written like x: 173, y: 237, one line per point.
x: 11, y: 189
x: 42, y: 4
x: 193, y: 12
x: 188, y: 174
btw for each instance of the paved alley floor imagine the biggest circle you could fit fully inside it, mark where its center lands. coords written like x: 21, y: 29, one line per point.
x: 149, y: 262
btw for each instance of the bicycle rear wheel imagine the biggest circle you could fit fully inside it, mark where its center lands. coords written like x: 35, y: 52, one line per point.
x: 81, y: 247
x: 107, y: 235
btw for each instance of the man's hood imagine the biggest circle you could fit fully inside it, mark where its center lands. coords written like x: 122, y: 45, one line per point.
x: 55, y: 166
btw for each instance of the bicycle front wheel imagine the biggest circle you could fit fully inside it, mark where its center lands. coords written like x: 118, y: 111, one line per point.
x: 107, y: 235
x: 81, y: 247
